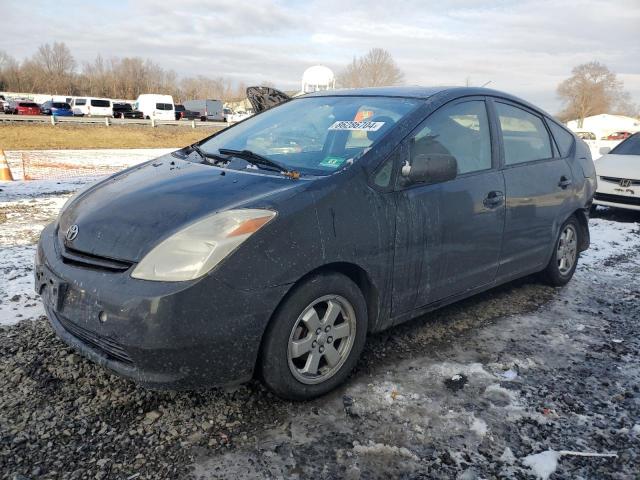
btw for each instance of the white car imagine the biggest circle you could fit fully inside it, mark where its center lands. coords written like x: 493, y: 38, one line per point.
x: 619, y: 175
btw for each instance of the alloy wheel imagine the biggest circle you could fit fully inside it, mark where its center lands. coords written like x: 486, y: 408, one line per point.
x: 567, y: 249
x: 321, y: 339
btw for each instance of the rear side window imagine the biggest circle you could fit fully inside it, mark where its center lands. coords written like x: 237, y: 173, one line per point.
x: 100, y: 103
x: 523, y: 135
x: 80, y: 101
x: 461, y: 130
x: 564, y: 139
x: 164, y: 106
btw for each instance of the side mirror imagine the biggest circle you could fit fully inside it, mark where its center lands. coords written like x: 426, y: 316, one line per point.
x: 431, y: 168
x: 604, y: 150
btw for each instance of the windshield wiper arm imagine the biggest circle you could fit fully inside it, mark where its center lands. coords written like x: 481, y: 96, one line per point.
x: 254, y: 158
x: 206, y: 156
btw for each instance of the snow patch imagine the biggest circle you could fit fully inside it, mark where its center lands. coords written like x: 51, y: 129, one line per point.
x: 384, y: 449
x: 542, y: 464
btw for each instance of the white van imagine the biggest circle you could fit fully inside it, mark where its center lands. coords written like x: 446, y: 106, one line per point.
x: 92, y: 107
x: 158, y: 107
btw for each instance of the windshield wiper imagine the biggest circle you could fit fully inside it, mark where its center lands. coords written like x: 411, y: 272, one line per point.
x: 255, y: 159
x: 205, y: 155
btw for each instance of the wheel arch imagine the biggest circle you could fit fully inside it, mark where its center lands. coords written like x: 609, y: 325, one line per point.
x: 583, y: 220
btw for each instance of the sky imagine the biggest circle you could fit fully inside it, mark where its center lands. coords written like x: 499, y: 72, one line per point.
x: 522, y: 47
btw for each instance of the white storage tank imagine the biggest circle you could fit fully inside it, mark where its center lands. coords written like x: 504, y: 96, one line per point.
x: 318, y: 78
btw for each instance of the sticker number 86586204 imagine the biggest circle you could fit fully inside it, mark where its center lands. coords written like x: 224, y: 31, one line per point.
x: 361, y: 126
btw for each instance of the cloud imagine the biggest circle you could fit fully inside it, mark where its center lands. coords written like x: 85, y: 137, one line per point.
x: 525, y: 47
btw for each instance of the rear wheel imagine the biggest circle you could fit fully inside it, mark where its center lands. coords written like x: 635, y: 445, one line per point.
x: 315, y: 337
x: 565, y: 256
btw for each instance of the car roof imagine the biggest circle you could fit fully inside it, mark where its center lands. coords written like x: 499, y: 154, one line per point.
x: 423, y: 93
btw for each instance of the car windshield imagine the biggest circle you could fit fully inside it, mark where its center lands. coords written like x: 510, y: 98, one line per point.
x: 631, y: 146
x: 315, y: 135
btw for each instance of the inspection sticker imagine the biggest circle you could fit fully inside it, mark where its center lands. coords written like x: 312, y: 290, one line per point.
x: 333, y: 162
x: 361, y: 126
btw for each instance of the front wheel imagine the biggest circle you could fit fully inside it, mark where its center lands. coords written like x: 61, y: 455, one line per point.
x: 315, y: 337
x: 565, y: 256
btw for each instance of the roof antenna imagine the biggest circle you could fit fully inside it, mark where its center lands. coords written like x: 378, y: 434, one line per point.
x: 486, y: 83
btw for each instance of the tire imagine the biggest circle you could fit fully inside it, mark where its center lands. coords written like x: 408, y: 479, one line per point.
x: 556, y: 274
x: 281, y: 366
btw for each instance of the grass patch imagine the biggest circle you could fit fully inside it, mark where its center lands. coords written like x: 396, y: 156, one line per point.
x: 47, y: 137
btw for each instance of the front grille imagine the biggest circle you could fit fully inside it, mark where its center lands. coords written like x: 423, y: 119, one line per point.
x: 106, y: 346
x: 87, y: 260
x: 607, y: 197
x: 618, y: 179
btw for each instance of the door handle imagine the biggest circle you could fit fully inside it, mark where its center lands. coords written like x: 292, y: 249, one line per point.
x: 493, y: 199
x: 564, y: 182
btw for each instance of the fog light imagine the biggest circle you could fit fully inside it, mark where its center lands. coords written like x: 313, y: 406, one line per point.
x: 102, y: 316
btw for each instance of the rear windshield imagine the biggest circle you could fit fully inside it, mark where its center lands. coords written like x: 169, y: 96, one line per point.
x: 164, y: 106
x: 28, y: 104
x: 122, y: 106
x: 631, y: 146
x: 180, y: 108
x: 100, y: 103
x: 60, y: 105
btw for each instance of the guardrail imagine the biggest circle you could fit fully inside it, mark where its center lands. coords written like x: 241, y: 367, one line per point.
x: 107, y: 121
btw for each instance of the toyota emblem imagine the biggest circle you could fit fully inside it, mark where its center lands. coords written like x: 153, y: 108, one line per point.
x: 72, y: 233
x: 625, y: 183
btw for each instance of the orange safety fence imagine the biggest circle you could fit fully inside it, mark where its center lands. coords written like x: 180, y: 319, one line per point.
x: 68, y: 164
x: 37, y: 168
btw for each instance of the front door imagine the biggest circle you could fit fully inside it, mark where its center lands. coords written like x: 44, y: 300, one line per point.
x: 449, y: 235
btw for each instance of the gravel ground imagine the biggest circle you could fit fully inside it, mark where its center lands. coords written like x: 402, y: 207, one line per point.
x: 506, y: 384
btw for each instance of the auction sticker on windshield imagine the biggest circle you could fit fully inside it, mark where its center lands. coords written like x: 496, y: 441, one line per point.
x: 361, y: 126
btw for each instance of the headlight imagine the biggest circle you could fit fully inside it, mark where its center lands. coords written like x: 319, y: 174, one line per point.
x: 196, y: 249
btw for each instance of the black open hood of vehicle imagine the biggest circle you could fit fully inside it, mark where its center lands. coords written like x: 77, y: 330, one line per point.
x: 263, y: 98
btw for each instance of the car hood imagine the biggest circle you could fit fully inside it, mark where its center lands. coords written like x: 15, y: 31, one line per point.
x: 126, y: 215
x: 263, y: 98
x: 619, y: 166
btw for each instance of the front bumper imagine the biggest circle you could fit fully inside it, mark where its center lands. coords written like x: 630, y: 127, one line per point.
x: 164, y: 335
x: 612, y: 194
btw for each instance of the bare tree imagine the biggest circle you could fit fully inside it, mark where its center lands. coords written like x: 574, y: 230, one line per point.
x: 375, y: 69
x: 592, y: 89
x: 57, y: 65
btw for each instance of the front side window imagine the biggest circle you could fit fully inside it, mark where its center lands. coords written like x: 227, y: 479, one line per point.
x: 315, y: 135
x: 524, y: 136
x: 460, y: 130
x: 631, y: 146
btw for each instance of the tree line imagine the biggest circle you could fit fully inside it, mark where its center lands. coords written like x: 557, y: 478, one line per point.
x: 53, y: 69
x: 590, y: 90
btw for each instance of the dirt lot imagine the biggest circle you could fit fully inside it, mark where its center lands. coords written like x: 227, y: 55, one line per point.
x: 27, y: 137
x: 509, y: 384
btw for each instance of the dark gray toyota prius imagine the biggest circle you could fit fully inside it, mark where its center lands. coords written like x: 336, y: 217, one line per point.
x: 275, y: 246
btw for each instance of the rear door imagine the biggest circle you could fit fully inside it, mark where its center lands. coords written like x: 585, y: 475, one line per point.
x: 538, y: 189
x: 449, y: 235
